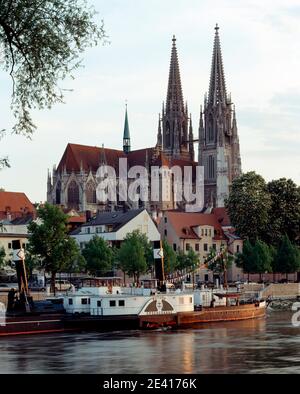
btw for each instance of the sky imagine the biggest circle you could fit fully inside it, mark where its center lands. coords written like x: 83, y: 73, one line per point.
x: 261, y: 53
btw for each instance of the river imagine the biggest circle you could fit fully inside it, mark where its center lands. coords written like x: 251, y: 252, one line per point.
x: 270, y: 345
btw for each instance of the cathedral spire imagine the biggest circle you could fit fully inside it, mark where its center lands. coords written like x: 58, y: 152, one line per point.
x: 174, y: 94
x: 217, y: 86
x: 126, y: 134
x: 175, y: 114
x: 103, y: 161
x: 191, y: 140
x: 159, y: 134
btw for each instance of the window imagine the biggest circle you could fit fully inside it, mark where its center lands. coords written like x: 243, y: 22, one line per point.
x: 174, y: 247
x: 73, y: 194
x: 205, y: 247
x: 91, y: 193
x: 187, y: 247
x: 84, y: 301
x: 121, y: 302
x: 197, y: 247
x: 211, y: 167
x: 237, y: 248
x: 112, y: 303
x: 206, y: 278
x: 70, y: 301
x: 88, y: 230
x: 166, y: 219
x: 58, y: 193
x: 191, y: 300
x: 23, y: 246
x: 206, y: 232
x: 9, y: 245
x: 214, y: 246
x: 209, y: 232
x: 166, y: 232
x: 202, y: 232
x: 99, y: 304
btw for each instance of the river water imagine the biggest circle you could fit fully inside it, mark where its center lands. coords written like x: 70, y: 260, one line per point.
x: 270, y: 345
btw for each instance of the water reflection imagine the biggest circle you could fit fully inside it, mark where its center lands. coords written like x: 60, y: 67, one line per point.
x: 254, y: 346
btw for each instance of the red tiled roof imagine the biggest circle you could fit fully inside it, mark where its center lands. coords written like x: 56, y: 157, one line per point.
x: 16, y: 203
x: 222, y: 216
x: 89, y: 157
x: 184, y: 222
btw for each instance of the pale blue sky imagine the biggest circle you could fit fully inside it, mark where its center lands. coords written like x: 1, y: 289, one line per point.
x: 261, y: 53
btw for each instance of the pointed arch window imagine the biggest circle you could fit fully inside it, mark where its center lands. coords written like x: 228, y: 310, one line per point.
x: 168, y: 137
x: 211, y: 167
x: 73, y: 194
x: 58, y: 193
x: 211, y: 134
x: 91, y: 193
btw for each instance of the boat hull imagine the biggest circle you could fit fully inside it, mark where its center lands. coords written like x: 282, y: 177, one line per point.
x: 206, y: 315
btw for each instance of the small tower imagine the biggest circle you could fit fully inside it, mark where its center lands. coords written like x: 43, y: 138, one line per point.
x: 126, y: 135
x: 191, y: 140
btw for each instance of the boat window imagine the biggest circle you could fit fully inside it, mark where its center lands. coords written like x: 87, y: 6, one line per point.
x: 121, y: 302
x: 84, y: 301
x: 112, y: 303
x: 191, y: 300
x: 99, y: 304
x: 70, y: 301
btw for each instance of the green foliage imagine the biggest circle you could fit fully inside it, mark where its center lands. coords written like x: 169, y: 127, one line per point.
x: 133, y: 254
x: 248, y: 206
x: 288, y: 257
x: 192, y: 259
x: 182, y: 261
x: 41, y: 43
x: 98, y: 256
x: 50, y: 242
x: 257, y: 258
x: 2, y: 257
x: 284, y: 216
x: 219, y: 263
x: 170, y: 258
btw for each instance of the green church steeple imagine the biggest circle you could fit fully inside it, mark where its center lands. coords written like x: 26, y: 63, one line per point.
x: 126, y: 135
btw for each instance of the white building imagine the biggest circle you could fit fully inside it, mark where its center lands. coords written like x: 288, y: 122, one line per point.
x: 114, y: 226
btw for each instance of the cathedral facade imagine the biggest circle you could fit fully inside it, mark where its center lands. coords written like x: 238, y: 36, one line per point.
x: 73, y: 184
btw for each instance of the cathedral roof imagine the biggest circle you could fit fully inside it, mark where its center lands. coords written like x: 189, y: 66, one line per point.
x: 88, y: 157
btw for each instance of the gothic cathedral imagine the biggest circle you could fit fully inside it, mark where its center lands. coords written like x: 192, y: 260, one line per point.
x: 73, y: 183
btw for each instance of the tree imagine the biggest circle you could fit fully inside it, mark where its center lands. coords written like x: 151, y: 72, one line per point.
x: 98, y: 256
x: 192, y: 261
x: 170, y: 258
x: 220, y: 262
x: 262, y: 257
x: 284, y: 216
x: 2, y: 257
x: 41, y: 42
x: 50, y: 241
x: 287, y: 260
x: 245, y: 260
x: 132, y: 255
x: 248, y: 206
x: 256, y: 259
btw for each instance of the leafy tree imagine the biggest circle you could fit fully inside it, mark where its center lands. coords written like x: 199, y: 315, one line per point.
x: 170, y: 258
x: 262, y: 258
x: 182, y: 260
x: 132, y: 255
x: 192, y: 261
x: 41, y: 42
x: 245, y: 259
x: 98, y: 256
x: 287, y: 260
x: 248, y: 206
x: 2, y: 257
x: 220, y: 262
x: 50, y: 241
x: 284, y: 216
